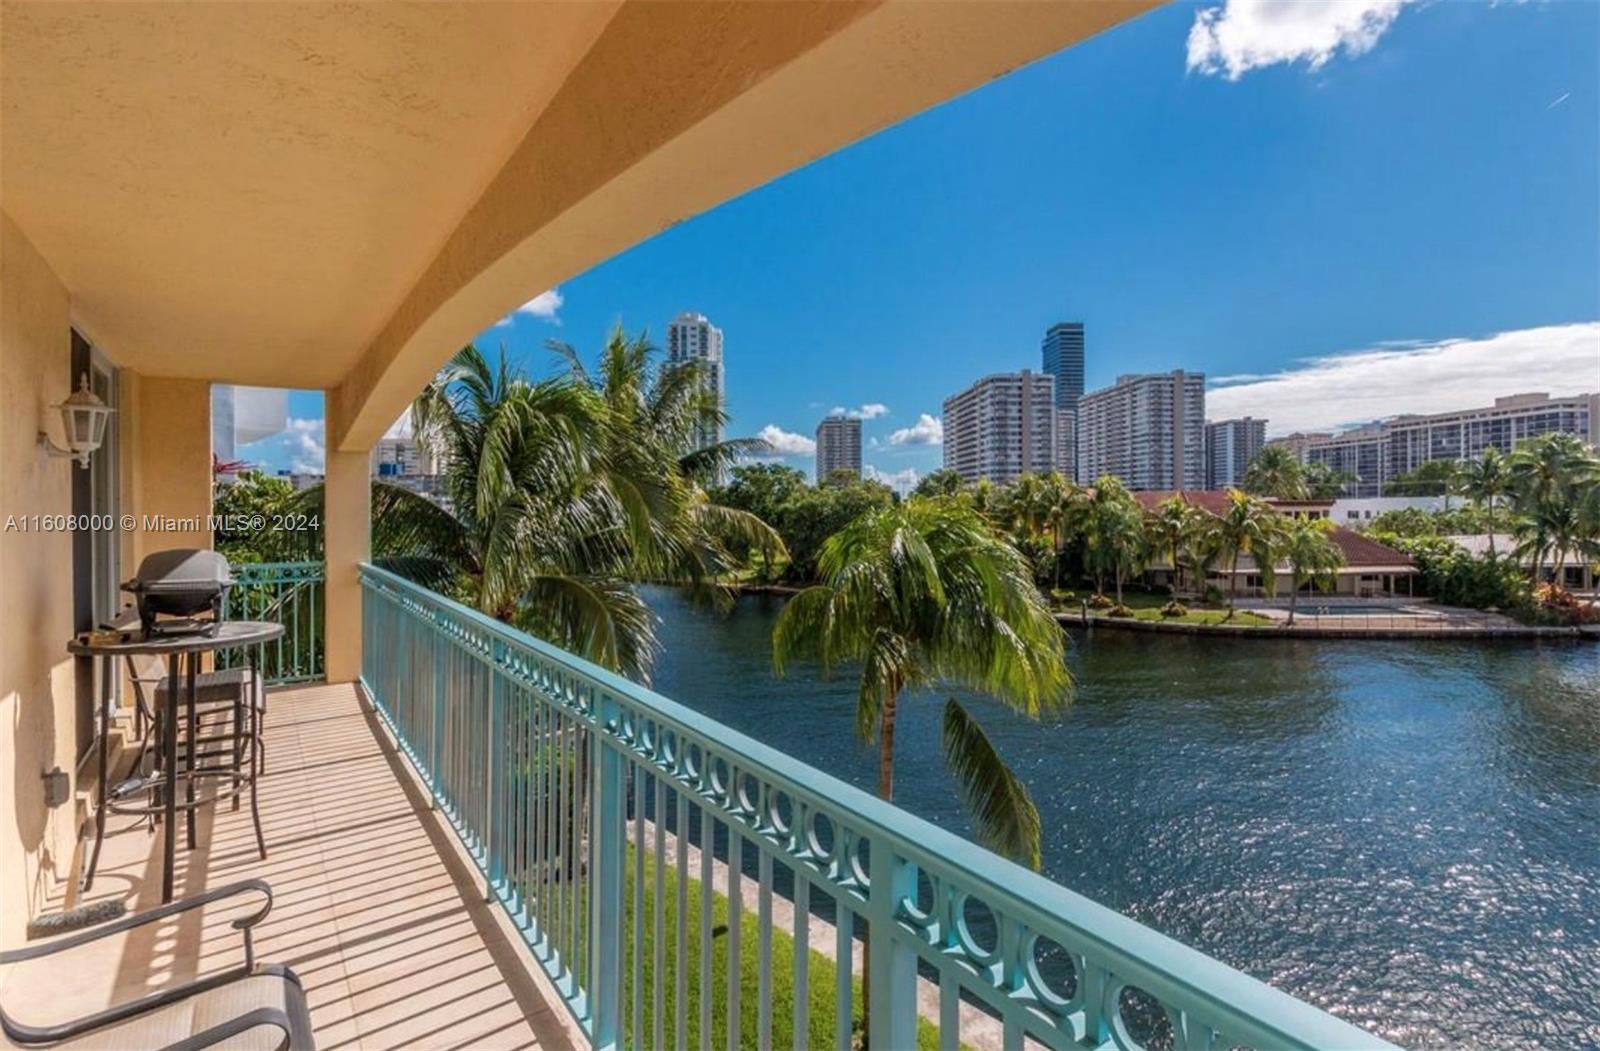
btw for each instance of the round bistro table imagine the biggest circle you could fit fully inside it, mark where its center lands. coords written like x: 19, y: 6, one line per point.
x: 185, y: 650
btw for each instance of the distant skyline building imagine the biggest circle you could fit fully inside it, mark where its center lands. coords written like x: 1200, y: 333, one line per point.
x: 838, y: 446
x: 1067, y: 443
x: 396, y: 456
x: 1062, y: 356
x: 1378, y: 453
x: 692, y: 337
x: 1230, y: 446
x: 1298, y: 442
x: 1002, y: 427
x: 1148, y: 430
x: 406, y: 462
x: 241, y: 415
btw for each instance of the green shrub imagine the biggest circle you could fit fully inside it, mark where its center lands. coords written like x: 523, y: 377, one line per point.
x: 1456, y: 578
x: 1099, y: 601
x: 1174, y: 609
x: 1119, y: 611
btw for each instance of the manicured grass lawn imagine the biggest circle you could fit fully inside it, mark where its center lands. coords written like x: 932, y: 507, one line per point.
x: 822, y: 972
x: 1146, y: 605
x: 1203, y: 616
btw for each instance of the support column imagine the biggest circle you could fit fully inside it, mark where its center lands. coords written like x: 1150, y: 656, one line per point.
x: 347, y: 532
x: 171, y: 481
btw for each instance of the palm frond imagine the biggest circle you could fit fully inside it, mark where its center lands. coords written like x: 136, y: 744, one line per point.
x: 409, y: 525
x: 1003, y: 813
x: 705, y: 462
x: 599, y: 618
x: 432, y: 573
x: 571, y: 358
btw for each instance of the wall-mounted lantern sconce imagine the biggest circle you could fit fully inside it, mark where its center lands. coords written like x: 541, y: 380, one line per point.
x: 83, y: 420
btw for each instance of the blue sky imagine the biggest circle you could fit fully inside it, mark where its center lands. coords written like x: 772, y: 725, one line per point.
x: 1297, y: 202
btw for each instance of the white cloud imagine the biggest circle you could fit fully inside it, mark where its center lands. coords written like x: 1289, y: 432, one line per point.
x: 301, y: 447
x: 870, y: 411
x: 901, y: 482
x: 546, y: 306
x: 1338, y: 390
x: 1242, y: 35
x: 928, y: 430
x: 786, y: 443
x: 305, y: 446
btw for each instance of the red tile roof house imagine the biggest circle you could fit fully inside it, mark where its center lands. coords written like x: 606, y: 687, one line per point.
x: 1370, y: 570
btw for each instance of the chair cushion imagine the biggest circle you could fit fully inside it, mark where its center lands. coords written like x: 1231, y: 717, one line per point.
x: 174, y: 1022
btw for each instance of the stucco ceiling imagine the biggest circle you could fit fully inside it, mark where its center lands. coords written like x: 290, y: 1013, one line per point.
x: 247, y: 191
x: 337, y: 195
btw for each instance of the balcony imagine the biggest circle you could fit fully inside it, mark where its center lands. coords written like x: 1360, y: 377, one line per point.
x: 489, y: 842
x: 373, y: 907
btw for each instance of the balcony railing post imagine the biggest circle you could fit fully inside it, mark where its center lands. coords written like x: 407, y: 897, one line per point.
x: 1094, y: 982
x: 608, y: 853
x: 891, y: 963
x: 493, y: 772
x: 441, y: 655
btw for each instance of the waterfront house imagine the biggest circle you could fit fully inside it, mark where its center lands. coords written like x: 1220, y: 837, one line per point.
x: 1370, y: 569
x: 1577, y: 571
x: 337, y: 197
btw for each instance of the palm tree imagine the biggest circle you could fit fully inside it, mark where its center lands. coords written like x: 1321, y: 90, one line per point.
x: 1550, y: 476
x: 923, y: 593
x: 1276, y: 472
x: 1485, y: 480
x: 1562, y: 527
x: 1247, y: 527
x: 1171, y: 524
x: 1065, y: 517
x: 1024, y: 507
x: 1313, y: 558
x: 1113, y: 533
x: 559, y: 497
x: 1202, y: 547
x: 1543, y: 467
x: 1324, y: 483
x: 653, y: 458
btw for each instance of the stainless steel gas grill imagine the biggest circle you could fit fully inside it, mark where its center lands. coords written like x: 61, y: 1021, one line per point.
x: 181, y: 583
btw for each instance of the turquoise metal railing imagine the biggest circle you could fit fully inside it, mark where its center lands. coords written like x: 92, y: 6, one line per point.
x: 624, y: 833
x: 290, y: 593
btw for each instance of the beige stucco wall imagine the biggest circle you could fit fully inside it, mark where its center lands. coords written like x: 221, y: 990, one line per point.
x: 165, y: 466
x: 36, y: 675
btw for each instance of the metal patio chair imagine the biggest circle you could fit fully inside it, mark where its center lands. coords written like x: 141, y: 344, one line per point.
x: 246, y: 1007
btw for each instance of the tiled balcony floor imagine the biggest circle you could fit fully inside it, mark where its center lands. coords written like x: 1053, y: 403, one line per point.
x: 374, y: 908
